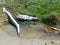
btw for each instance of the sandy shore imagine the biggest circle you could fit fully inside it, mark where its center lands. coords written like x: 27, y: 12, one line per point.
x: 5, y: 39
x: 28, y: 37
x: 26, y: 32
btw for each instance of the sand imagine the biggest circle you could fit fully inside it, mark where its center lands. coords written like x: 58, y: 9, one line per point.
x: 5, y: 39
x: 28, y: 37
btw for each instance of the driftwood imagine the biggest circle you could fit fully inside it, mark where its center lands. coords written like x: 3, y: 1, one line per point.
x: 51, y: 29
x: 26, y: 17
x: 55, y: 28
x: 12, y: 20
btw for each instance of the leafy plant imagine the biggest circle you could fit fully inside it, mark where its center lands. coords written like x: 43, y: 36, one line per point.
x: 51, y: 20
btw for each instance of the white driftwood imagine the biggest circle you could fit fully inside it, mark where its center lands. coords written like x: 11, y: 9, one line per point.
x: 26, y: 17
x: 55, y: 28
x: 12, y: 19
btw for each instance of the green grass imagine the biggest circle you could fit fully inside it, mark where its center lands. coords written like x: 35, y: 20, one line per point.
x: 39, y: 8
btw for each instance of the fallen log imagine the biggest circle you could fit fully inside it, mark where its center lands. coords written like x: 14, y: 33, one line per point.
x: 55, y: 28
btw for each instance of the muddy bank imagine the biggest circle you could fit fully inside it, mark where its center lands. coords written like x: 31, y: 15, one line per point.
x: 28, y: 32
x: 29, y: 35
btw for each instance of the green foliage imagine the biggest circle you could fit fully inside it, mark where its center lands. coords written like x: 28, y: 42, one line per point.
x: 39, y: 8
x: 49, y: 20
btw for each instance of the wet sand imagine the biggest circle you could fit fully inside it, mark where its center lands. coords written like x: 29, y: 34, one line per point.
x: 28, y: 32
x: 28, y: 36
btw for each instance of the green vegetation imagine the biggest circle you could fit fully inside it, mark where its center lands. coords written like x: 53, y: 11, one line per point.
x: 51, y: 20
x: 39, y: 8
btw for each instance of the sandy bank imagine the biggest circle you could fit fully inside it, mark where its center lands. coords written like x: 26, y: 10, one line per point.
x: 28, y: 36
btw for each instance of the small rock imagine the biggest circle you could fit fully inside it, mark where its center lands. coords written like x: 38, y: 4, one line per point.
x: 45, y: 43
x: 52, y: 42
